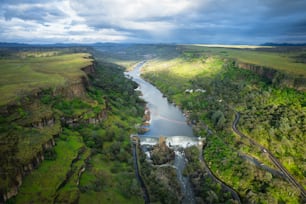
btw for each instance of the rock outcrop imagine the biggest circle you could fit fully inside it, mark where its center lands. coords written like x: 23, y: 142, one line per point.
x: 72, y: 89
x: 43, y: 122
x: 161, y: 153
x: 77, y: 120
x: 25, y: 170
x: 90, y: 69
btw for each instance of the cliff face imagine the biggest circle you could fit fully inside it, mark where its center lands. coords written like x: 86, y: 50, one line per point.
x: 25, y: 170
x: 274, y: 76
x: 72, y: 89
x: 75, y: 121
x: 267, y: 73
x: 98, y: 118
x: 76, y: 88
x: 43, y: 122
x: 89, y: 69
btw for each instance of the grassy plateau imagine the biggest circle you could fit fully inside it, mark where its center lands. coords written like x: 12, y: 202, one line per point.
x: 22, y: 73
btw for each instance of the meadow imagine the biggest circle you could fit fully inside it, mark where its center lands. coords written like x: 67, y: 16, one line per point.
x: 285, y: 59
x: 28, y: 71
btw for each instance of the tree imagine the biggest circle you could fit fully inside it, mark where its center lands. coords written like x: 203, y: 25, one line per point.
x: 218, y: 119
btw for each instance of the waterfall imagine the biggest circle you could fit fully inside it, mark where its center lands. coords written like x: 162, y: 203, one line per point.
x: 146, y: 140
x: 171, y: 141
x: 181, y: 141
x: 177, y: 143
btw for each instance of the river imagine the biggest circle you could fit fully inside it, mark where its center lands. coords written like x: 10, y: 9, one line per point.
x: 166, y: 120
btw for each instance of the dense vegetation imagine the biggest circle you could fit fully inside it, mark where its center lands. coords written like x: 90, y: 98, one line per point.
x: 206, y: 189
x: 111, y: 176
x: 160, y: 175
x: 92, y: 160
x: 272, y: 116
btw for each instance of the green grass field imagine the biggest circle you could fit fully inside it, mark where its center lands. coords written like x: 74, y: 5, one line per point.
x: 285, y: 60
x: 21, y: 75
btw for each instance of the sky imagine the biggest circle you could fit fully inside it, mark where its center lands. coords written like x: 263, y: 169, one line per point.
x: 153, y: 21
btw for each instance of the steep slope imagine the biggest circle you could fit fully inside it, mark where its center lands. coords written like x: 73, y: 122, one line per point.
x: 51, y: 134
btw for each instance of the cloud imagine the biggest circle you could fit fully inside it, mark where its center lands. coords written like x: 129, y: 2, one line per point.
x: 144, y: 18
x: 52, y: 22
x: 36, y: 12
x: 118, y: 10
x: 181, y: 21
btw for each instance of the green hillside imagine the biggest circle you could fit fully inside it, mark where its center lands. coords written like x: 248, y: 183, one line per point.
x: 23, y: 73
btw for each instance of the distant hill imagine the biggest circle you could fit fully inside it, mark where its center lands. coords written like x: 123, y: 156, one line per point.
x: 22, y: 45
x: 98, y: 44
x: 283, y: 44
x: 11, y: 45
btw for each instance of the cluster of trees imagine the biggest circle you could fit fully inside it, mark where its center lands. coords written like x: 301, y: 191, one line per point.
x: 162, y: 154
x: 161, y: 182
x: 206, y: 190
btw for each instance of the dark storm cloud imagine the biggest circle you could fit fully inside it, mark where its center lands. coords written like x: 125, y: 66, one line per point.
x: 181, y: 21
x: 252, y: 21
x: 36, y: 13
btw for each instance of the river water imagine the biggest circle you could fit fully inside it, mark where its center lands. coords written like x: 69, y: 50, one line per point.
x: 166, y: 120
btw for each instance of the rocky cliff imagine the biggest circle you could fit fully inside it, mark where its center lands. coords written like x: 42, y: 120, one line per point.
x: 24, y: 170
x: 75, y: 121
x: 76, y: 88
x: 275, y: 76
x: 72, y: 89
